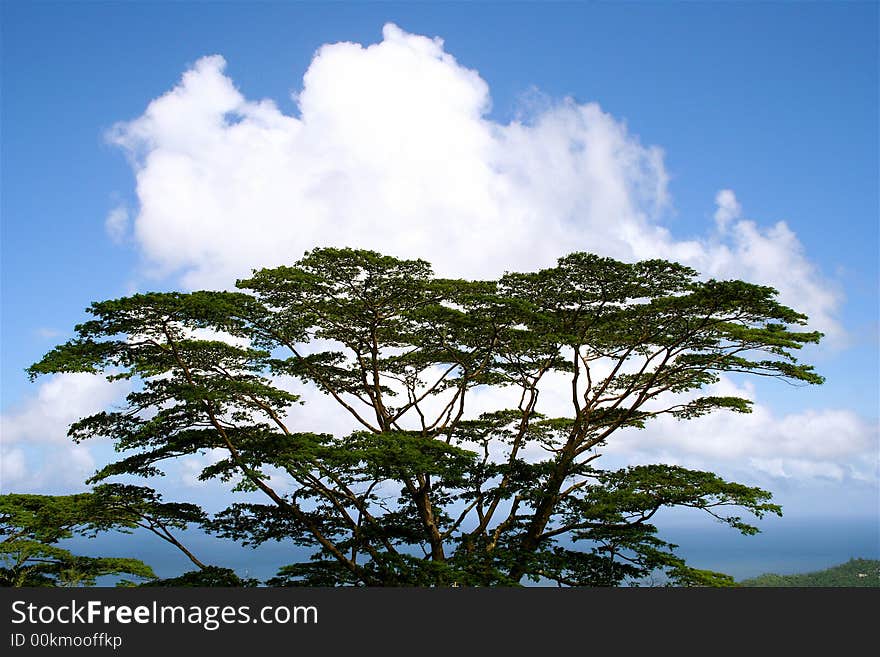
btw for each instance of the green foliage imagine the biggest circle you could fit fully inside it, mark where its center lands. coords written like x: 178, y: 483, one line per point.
x: 855, y: 572
x: 32, y: 525
x: 425, y: 493
x: 208, y: 576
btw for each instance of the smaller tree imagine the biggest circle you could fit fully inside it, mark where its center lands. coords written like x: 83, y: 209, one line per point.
x: 33, y: 525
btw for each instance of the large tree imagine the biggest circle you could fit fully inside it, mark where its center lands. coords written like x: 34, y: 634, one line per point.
x: 456, y: 473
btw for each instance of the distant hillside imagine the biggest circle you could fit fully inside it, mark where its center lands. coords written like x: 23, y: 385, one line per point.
x: 855, y: 572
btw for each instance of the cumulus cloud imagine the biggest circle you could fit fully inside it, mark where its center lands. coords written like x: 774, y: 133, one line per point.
x: 829, y: 443
x: 770, y: 255
x: 393, y: 150
x: 35, y: 453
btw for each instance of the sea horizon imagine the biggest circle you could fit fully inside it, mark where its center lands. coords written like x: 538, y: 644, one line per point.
x: 784, y: 547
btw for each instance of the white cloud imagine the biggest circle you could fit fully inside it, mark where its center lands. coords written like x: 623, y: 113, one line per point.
x: 826, y: 443
x: 36, y: 454
x: 59, y: 401
x: 116, y: 224
x: 392, y: 150
x: 728, y: 208
x: 771, y: 256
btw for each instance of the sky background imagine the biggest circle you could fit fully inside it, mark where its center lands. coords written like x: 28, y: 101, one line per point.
x: 150, y: 146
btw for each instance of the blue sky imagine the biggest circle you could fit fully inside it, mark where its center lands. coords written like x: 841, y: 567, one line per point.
x: 775, y: 103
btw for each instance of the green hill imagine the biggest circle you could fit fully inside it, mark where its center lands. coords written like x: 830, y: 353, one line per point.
x: 855, y: 572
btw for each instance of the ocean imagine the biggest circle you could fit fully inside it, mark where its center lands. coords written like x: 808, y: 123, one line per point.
x: 785, y: 546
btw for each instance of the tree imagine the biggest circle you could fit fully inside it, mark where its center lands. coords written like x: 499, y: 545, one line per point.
x: 33, y: 525
x: 455, y: 474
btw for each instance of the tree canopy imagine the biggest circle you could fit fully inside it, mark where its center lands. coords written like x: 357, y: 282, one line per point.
x: 455, y: 473
x: 33, y: 525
